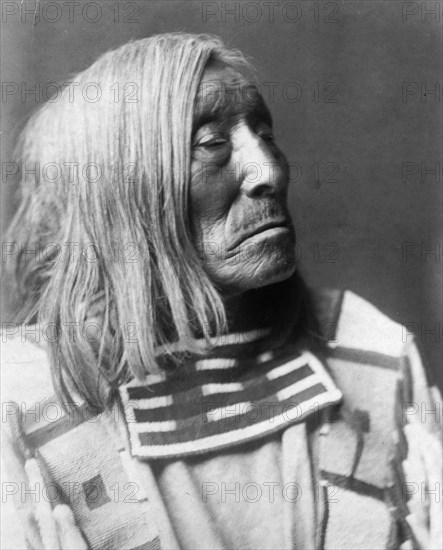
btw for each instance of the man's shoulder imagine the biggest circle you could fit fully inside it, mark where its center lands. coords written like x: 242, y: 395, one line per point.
x: 350, y: 321
x: 25, y: 370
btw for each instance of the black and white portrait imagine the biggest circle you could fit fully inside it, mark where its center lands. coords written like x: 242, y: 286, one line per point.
x: 221, y: 275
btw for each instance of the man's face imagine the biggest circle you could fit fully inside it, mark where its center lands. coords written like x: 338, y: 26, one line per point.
x: 240, y: 220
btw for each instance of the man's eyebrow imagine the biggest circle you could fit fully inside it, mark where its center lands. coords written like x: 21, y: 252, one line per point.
x: 219, y: 103
x: 260, y: 111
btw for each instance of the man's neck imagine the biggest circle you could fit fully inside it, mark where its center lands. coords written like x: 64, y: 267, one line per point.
x: 247, y: 311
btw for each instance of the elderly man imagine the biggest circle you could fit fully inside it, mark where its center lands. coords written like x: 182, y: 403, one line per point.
x: 186, y: 389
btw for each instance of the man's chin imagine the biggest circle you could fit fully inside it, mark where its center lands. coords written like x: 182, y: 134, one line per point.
x: 255, y: 275
x: 275, y: 275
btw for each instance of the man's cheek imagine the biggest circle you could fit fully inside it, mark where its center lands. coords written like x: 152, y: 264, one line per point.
x: 211, y: 241
x: 205, y: 173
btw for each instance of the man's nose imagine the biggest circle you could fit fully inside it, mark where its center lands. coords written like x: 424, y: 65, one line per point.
x: 262, y: 172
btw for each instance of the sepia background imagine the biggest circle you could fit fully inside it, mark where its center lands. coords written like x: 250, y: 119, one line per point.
x: 354, y: 89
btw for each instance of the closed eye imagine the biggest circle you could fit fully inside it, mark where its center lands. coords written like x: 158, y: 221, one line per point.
x: 267, y: 136
x: 213, y: 144
x: 264, y: 130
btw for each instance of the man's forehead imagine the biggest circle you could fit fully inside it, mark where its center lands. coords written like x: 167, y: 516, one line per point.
x: 224, y: 91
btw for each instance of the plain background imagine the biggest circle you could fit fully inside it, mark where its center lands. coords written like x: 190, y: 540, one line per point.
x: 364, y: 73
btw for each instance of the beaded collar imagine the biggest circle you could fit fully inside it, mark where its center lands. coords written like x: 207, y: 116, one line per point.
x: 242, y: 390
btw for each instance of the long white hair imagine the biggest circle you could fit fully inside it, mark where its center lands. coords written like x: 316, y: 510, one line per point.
x: 110, y: 215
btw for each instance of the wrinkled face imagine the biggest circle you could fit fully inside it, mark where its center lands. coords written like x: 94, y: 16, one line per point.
x: 240, y: 220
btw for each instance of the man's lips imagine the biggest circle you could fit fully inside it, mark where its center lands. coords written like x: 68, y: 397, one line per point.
x: 281, y: 223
